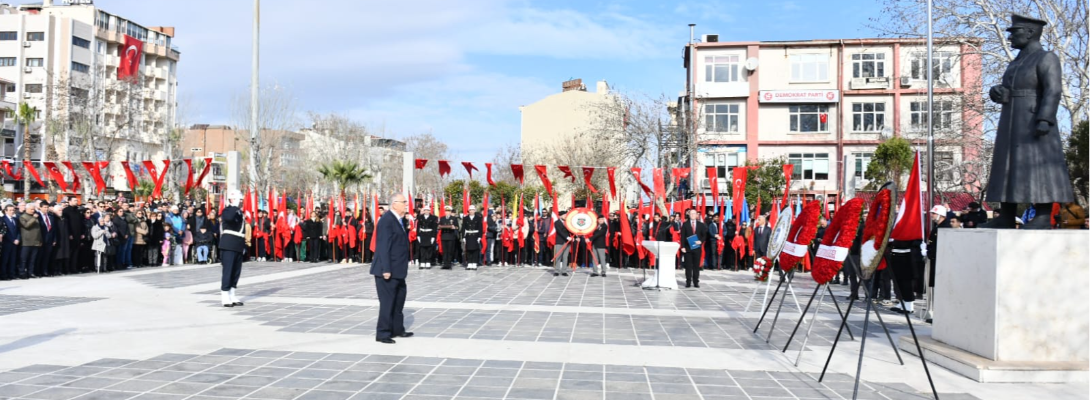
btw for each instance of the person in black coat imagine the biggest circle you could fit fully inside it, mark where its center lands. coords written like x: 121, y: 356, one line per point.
x: 426, y: 230
x: 448, y: 233
x: 390, y: 268
x: 690, y: 257
x: 598, y: 242
x: 232, y: 246
x: 730, y: 259
x: 50, y: 227
x: 312, y: 234
x: 73, y: 222
x: 761, y: 235
x: 562, y: 247
x: 154, y: 238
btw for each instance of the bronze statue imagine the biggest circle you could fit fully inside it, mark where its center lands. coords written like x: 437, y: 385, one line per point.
x: 1028, y: 164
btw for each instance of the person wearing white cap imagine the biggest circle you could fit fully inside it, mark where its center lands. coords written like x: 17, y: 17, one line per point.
x: 232, y: 245
x: 471, y: 238
x: 448, y: 234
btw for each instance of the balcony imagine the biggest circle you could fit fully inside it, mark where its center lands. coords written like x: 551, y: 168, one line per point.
x: 869, y: 83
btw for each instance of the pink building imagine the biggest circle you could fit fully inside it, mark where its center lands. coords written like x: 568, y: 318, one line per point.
x: 818, y: 102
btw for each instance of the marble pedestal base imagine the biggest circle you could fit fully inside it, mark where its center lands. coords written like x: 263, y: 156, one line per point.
x: 1011, y: 305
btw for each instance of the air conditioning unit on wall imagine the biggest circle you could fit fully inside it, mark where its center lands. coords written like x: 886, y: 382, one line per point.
x: 906, y: 81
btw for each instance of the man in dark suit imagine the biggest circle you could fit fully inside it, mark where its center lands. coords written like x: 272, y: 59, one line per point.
x: 761, y: 235
x: 48, y: 222
x: 390, y: 268
x: 448, y: 233
x: 73, y: 220
x: 426, y: 230
x: 562, y: 248
x: 690, y: 258
x: 9, y: 254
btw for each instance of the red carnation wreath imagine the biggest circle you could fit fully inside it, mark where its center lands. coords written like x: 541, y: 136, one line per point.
x: 875, y: 231
x: 803, y: 230
x: 837, y: 241
x: 761, y: 267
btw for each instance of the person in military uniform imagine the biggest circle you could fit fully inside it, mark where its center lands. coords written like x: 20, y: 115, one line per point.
x: 1028, y: 164
x: 425, y: 234
x: 312, y: 233
x: 448, y: 233
x: 471, y: 238
x: 232, y: 247
x: 562, y: 248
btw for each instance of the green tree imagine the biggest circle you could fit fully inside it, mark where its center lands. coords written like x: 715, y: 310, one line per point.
x: 892, y: 159
x: 144, y: 188
x: 344, y: 173
x: 23, y: 118
x: 765, y: 181
x: 1077, y: 158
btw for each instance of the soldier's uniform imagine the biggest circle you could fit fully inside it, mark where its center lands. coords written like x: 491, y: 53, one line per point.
x: 232, y: 246
x: 426, y: 230
x: 448, y: 233
x: 471, y: 237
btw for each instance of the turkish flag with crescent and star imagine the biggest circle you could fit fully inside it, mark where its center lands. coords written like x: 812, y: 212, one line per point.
x: 131, y: 53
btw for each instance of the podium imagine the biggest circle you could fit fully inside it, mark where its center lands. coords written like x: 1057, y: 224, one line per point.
x: 663, y: 278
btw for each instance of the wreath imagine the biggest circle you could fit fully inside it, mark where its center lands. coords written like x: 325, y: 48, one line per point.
x: 761, y: 267
x: 875, y: 233
x: 837, y: 241
x: 802, y: 232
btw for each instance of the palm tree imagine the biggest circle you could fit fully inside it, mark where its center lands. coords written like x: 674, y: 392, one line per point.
x: 143, y: 188
x: 344, y: 173
x: 23, y: 118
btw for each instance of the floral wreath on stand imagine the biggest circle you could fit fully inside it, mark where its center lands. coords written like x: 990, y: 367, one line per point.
x: 876, y: 230
x: 761, y: 267
x: 802, y: 232
x: 837, y: 241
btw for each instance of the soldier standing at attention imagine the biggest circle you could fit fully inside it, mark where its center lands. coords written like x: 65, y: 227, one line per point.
x: 232, y: 245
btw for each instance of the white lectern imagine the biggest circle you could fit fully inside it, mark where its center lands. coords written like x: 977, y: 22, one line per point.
x: 664, y: 276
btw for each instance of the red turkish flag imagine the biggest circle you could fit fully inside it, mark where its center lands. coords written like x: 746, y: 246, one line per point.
x: 420, y: 163
x: 444, y: 168
x: 516, y: 169
x: 738, y: 183
x: 95, y: 168
x: 542, y: 172
x: 157, y: 178
x: 469, y: 168
x: 7, y: 170
x: 713, y: 181
x: 660, y: 184
x: 612, y: 185
x: 488, y: 167
x: 33, y: 172
x: 56, y: 174
x: 588, y: 172
x: 788, y: 170
x: 910, y: 217
x: 204, y: 171
x: 567, y: 172
x: 129, y: 175
x: 75, y: 177
x: 189, y: 175
x: 646, y: 189
x: 131, y: 52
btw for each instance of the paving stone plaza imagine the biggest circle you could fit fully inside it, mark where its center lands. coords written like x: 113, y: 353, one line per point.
x: 306, y: 332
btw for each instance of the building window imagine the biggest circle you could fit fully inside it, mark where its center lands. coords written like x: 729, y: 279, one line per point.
x: 7, y: 61
x: 84, y: 68
x: 9, y: 35
x: 943, y: 112
x: 35, y: 36
x: 721, y: 118
x: 868, y: 65
x: 868, y: 117
x: 34, y: 62
x: 810, y: 165
x: 809, y: 118
x: 33, y: 88
x: 724, y: 163
x: 101, y: 46
x: 942, y: 64
x: 861, y: 162
x: 81, y: 42
x: 809, y: 67
x: 721, y: 68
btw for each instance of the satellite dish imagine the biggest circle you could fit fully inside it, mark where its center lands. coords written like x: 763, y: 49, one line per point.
x: 751, y: 63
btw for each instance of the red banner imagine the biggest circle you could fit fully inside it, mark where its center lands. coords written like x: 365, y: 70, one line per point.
x: 33, y: 172
x: 444, y: 168
x: 679, y: 174
x: 713, y: 181
x: 543, y: 173
x: 588, y: 172
x: 129, y: 175
x: 516, y: 169
x: 660, y: 183
x: 738, y: 184
x: 75, y: 177
x: 157, y: 178
x: 488, y: 176
x: 646, y: 189
x: 567, y: 172
x: 420, y: 163
x: 189, y: 175
x: 788, y: 170
x: 204, y: 171
x: 95, y: 169
x: 8, y: 171
x: 131, y: 52
x: 469, y: 168
x: 612, y: 184
x: 56, y: 174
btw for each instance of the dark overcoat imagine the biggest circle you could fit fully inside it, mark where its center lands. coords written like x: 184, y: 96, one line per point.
x: 1027, y: 168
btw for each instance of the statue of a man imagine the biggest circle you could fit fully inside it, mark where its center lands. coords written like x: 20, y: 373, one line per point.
x: 1028, y: 164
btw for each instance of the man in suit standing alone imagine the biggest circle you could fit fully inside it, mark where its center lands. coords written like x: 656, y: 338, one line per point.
x: 761, y: 235
x: 390, y: 266
x: 691, y: 257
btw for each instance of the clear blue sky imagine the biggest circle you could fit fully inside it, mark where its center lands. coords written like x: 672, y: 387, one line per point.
x: 459, y: 68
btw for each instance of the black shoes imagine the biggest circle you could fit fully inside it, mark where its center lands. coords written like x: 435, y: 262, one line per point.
x: 386, y: 340
x: 405, y: 334
x: 564, y: 273
x: 603, y: 274
x: 237, y: 304
x: 594, y: 274
x: 696, y: 285
x: 229, y: 305
x: 556, y: 274
x: 688, y: 284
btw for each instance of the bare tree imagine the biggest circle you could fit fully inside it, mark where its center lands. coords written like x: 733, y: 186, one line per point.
x: 507, y: 155
x: 426, y: 146
x: 277, y: 118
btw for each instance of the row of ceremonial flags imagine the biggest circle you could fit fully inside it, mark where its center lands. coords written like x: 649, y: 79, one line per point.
x: 94, y: 169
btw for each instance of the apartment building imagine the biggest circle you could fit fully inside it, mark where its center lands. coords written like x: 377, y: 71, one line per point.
x: 62, y: 59
x: 572, y: 112
x: 815, y: 102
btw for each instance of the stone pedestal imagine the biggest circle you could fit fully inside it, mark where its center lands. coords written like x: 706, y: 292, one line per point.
x: 1011, y: 305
